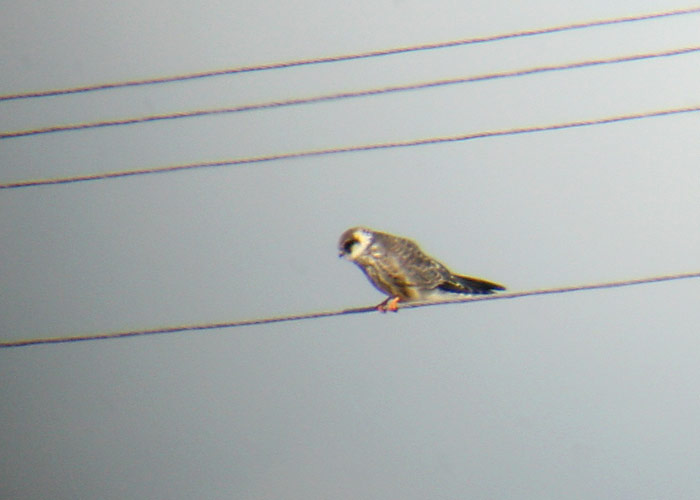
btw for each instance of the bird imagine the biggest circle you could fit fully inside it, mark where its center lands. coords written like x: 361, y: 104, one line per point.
x: 398, y: 267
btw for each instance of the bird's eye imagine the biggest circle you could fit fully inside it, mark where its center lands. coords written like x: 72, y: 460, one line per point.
x: 347, y: 246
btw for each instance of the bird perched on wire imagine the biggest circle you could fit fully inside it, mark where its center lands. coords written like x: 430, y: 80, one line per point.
x: 397, y: 267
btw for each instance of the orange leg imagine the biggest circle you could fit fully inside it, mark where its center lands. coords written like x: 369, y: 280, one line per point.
x: 389, y: 304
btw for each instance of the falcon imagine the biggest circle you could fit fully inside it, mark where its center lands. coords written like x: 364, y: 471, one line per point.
x: 397, y: 267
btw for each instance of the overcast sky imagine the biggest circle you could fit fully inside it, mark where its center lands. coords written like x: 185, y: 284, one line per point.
x: 583, y: 395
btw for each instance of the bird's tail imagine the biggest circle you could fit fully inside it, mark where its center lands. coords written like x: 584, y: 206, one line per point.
x: 469, y: 285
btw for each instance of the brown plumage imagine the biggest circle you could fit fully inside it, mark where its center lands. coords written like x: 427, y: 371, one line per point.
x: 397, y: 267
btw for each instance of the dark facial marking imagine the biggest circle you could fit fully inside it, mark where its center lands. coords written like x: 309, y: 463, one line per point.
x: 347, y: 246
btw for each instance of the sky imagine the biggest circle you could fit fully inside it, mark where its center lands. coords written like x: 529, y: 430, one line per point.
x: 581, y: 395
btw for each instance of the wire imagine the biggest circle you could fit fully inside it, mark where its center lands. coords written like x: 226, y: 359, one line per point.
x: 348, y: 95
x: 342, y: 312
x: 349, y: 57
x: 349, y: 149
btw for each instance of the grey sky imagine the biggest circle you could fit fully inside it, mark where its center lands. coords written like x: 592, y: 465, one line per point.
x: 587, y: 395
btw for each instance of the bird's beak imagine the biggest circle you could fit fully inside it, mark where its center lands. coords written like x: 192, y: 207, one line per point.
x: 341, y: 254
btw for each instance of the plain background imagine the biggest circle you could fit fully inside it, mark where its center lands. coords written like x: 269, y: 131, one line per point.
x: 585, y: 395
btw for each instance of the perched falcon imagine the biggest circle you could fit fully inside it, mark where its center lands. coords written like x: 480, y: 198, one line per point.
x: 397, y: 267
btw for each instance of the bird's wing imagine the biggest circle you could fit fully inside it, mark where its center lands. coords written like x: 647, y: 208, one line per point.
x: 406, y: 261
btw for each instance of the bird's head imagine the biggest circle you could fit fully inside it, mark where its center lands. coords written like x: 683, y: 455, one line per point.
x: 354, y: 242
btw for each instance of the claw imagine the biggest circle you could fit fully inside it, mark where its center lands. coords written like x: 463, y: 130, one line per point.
x: 390, y: 304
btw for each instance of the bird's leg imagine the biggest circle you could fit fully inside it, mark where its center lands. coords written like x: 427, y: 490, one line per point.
x: 392, y: 305
x: 389, y: 304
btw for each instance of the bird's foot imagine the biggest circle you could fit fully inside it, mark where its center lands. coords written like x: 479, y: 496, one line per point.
x: 390, y: 304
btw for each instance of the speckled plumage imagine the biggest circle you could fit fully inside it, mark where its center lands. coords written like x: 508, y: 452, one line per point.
x: 397, y: 267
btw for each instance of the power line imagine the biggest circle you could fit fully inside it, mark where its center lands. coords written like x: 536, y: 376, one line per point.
x: 349, y: 57
x: 342, y: 312
x: 350, y: 149
x: 351, y: 94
